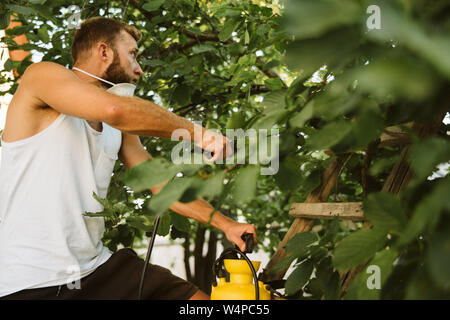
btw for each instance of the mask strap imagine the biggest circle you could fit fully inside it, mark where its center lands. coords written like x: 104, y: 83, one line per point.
x: 98, y: 78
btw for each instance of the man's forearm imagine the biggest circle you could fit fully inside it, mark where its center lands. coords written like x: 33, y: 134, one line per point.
x: 144, y: 118
x: 201, y: 211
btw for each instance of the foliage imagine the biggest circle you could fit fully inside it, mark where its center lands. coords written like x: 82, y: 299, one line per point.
x: 312, y: 70
x: 382, y: 77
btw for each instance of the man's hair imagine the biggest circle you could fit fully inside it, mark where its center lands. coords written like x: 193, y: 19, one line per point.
x: 98, y: 29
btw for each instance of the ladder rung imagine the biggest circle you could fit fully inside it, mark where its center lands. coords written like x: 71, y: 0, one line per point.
x: 328, y: 210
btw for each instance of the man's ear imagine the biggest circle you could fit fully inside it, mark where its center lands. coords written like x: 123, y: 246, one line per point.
x: 104, y: 52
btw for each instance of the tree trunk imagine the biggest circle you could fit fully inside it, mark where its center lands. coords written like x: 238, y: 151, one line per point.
x: 203, y: 264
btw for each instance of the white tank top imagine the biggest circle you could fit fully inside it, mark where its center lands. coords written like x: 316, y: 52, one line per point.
x: 46, y: 185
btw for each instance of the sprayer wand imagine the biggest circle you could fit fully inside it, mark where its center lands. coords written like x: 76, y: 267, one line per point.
x: 147, y: 258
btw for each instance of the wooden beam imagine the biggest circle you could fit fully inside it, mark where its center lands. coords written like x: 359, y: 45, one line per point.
x: 395, y: 135
x: 328, y: 210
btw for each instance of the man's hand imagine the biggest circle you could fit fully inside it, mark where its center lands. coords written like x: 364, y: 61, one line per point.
x: 217, y: 144
x: 236, y: 230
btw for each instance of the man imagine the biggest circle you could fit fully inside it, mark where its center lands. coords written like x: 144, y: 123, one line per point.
x: 62, y: 136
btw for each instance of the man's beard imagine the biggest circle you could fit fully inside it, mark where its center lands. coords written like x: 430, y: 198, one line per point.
x: 115, y: 72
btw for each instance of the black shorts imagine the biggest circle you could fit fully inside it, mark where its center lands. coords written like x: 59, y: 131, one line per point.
x: 118, y: 278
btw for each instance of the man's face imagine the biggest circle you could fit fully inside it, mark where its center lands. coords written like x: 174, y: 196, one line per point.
x: 124, y: 67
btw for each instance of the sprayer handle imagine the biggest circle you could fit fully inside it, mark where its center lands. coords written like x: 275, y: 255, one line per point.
x: 249, y: 242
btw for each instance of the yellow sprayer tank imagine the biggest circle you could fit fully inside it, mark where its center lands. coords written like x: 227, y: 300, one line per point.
x: 241, y: 285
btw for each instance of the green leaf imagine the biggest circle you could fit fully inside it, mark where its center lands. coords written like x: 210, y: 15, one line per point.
x: 273, y: 108
x: 140, y: 223
x: 236, y: 121
x: 152, y: 5
x: 312, y: 18
x: 227, y: 30
x: 329, y: 135
x: 9, y: 65
x: 298, y: 244
x: 274, y: 100
x: 201, y: 48
x: 169, y: 194
x: 120, y: 208
x: 245, y: 184
x: 299, y: 118
x: 273, y: 83
x: 385, y: 212
x: 312, y: 181
x: 331, y: 231
x: 382, y: 165
x: 4, y: 20
x: 358, y: 247
x: 20, y: 9
x: 149, y: 174
x: 438, y: 258
x: 180, y: 222
x: 43, y: 34
x: 284, y: 263
x: 104, y: 202
x: 104, y: 213
x: 427, y: 154
x: 367, y: 127
x: 364, y: 286
x: 268, y: 120
x: 274, y: 63
x: 228, y: 12
x: 182, y: 94
x: 246, y: 37
x: 164, y: 226
x: 204, y: 188
x: 213, y: 186
x: 421, y: 287
x: 328, y: 279
x: 409, y: 78
x: 289, y: 176
x: 298, y: 278
x: 334, y: 49
x: 153, y: 62
x: 400, y: 28
x: 428, y: 211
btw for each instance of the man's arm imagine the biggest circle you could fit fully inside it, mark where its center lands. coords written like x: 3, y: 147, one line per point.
x: 133, y: 153
x: 54, y: 85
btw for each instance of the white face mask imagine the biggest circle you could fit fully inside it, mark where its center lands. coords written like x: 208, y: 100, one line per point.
x: 120, y: 89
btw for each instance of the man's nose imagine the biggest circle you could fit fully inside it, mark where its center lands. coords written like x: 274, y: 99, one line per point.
x: 138, y: 70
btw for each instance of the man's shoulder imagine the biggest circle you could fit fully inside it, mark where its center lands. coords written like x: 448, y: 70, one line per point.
x: 40, y: 69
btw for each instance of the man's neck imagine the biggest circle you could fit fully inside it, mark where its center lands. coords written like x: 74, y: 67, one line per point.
x: 86, y: 77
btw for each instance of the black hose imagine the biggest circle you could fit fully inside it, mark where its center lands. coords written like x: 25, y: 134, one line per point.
x: 147, y: 258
